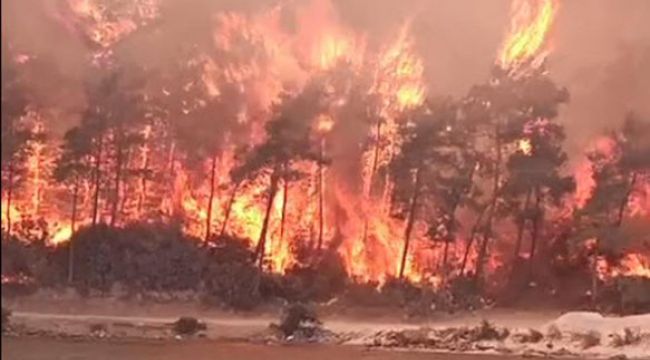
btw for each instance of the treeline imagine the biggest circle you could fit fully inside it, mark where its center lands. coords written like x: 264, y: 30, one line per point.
x: 486, y: 173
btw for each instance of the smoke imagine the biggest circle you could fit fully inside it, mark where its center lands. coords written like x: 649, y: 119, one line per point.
x: 600, y: 48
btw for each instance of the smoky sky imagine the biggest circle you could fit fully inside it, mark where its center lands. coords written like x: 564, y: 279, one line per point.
x: 600, y: 48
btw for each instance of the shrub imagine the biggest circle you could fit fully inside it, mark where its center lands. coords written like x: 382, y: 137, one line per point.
x: 634, y: 294
x: 231, y: 277
x: 299, y: 318
x: 487, y: 331
x: 319, y: 281
x: 188, y: 326
x: 142, y: 257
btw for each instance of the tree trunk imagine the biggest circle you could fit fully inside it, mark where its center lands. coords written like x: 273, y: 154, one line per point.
x: 321, y: 207
x: 521, y: 225
x: 626, y: 199
x: 119, y: 162
x: 594, y: 275
x: 73, y: 227
x: 10, y: 194
x: 285, y: 198
x: 231, y: 201
x: 208, y: 220
x: 470, y: 242
x: 375, y: 165
x: 144, y: 182
x: 495, y: 196
x: 259, y: 251
x: 97, y: 178
x: 536, y: 224
x: 410, y: 222
x: 445, y: 258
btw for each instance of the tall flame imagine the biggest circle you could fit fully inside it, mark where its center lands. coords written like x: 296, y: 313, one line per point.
x: 531, y: 22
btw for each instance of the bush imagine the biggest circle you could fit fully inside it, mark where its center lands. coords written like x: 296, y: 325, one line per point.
x: 142, y: 257
x: 634, y: 294
x: 23, y: 265
x: 188, y: 326
x: 319, y: 281
x: 231, y: 277
x: 299, y: 318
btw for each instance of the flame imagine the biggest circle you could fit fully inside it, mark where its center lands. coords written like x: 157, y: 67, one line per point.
x: 525, y: 146
x: 324, y: 124
x: 106, y: 29
x: 632, y: 264
x: 531, y: 22
x: 257, y: 56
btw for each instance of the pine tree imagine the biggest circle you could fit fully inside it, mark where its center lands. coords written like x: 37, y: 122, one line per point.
x: 15, y: 135
x: 288, y: 140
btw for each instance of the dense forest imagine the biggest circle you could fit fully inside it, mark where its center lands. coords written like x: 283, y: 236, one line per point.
x: 271, y: 160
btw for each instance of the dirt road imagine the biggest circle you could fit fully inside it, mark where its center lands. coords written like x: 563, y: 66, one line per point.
x: 51, y: 349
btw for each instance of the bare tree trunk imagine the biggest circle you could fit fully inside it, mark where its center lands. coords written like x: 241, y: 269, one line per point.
x: 213, y: 176
x: 10, y: 194
x: 410, y: 222
x: 261, y: 244
x: 626, y: 199
x: 521, y: 224
x: 285, y: 198
x: 231, y: 201
x: 73, y: 227
x: 97, y: 178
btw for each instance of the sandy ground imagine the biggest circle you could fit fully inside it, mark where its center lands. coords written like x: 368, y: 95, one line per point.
x: 49, y: 349
x: 60, y: 328
x: 76, y: 315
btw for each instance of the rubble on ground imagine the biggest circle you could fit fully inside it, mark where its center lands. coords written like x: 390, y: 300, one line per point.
x: 573, y: 334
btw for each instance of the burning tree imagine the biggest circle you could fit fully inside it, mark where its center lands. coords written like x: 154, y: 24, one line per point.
x: 620, y: 173
x: 288, y: 143
x: 432, y: 172
x: 515, y: 115
x: 413, y: 186
x: 15, y: 135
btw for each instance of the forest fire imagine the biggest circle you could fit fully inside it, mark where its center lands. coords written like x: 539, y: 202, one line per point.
x: 308, y: 140
x: 531, y: 22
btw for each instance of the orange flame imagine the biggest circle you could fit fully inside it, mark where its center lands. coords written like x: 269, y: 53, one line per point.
x: 530, y: 25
